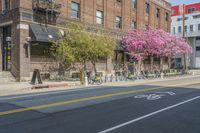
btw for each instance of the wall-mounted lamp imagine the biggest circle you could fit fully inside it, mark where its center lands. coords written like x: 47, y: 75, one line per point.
x: 9, y: 40
x: 28, y: 39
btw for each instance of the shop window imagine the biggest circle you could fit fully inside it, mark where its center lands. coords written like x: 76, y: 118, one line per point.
x: 40, y: 49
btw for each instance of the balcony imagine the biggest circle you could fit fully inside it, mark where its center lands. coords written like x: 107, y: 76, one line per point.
x: 46, y: 11
x: 47, y: 6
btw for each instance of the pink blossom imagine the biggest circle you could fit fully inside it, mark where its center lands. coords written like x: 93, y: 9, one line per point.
x: 142, y: 43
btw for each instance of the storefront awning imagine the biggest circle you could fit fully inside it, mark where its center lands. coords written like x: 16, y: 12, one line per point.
x: 43, y: 33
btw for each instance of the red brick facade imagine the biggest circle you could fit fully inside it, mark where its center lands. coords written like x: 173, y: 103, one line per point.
x: 20, y: 16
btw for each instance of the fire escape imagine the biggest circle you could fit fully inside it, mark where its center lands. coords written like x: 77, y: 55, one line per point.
x: 46, y: 11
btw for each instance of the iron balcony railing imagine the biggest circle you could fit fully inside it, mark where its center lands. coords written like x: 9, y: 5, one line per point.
x: 47, y: 5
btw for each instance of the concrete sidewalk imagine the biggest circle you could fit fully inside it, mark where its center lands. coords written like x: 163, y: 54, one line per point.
x: 26, y: 88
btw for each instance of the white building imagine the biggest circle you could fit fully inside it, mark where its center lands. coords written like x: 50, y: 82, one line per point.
x: 192, y: 31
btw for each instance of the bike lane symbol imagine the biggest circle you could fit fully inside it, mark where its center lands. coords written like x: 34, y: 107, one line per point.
x: 155, y: 96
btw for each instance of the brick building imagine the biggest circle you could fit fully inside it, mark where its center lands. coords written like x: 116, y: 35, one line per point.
x: 40, y: 19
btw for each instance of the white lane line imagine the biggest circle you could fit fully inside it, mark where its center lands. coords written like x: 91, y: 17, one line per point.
x: 148, y: 115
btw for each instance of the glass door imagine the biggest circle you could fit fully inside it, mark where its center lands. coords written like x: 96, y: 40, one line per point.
x: 6, y: 49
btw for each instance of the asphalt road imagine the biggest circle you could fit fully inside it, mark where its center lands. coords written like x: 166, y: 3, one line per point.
x: 115, y: 109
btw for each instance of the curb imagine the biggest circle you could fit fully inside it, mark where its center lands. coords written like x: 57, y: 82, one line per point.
x: 50, y: 86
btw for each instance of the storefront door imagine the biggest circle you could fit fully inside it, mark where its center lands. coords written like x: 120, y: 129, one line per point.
x: 6, y: 50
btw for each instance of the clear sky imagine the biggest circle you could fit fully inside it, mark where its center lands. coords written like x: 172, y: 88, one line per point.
x: 178, y: 2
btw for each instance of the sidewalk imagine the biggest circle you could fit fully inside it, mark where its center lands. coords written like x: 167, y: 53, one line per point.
x: 26, y: 88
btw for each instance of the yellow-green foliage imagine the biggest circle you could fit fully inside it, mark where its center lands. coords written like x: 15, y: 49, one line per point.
x: 79, y: 45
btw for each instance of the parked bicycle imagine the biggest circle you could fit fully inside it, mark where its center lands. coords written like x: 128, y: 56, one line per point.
x: 95, y: 80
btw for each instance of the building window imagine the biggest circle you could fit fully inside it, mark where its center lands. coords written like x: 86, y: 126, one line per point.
x: 196, y: 16
x: 179, y: 29
x: 75, y: 10
x: 134, y: 3
x: 167, y: 16
x: 181, y: 19
x: 118, y: 22
x: 119, y: 1
x: 191, y: 28
x: 198, y: 48
x: 174, y: 30
x: 6, y: 5
x: 198, y: 27
x: 198, y: 38
x: 133, y: 24
x: 191, y: 10
x: 157, y: 12
x: 147, y: 8
x: 99, y: 17
x: 186, y: 30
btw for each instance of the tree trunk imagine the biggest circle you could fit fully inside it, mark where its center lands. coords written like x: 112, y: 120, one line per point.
x: 61, y: 69
x: 169, y: 62
x: 139, y: 66
x: 161, y: 64
x: 151, y: 62
x: 95, y: 69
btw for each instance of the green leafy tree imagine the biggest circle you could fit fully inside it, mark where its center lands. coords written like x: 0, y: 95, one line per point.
x: 101, y: 48
x: 80, y: 45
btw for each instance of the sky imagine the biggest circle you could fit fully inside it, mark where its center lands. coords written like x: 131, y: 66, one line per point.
x: 178, y: 2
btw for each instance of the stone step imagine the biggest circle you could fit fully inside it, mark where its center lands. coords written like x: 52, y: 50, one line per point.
x: 6, y: 77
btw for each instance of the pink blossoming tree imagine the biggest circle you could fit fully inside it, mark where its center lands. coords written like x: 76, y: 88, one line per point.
x: 143, y: 43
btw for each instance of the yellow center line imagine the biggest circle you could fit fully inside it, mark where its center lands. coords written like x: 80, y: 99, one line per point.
x: 88, y: 99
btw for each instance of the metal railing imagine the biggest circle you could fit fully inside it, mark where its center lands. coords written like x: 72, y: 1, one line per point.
x: 47, y: 5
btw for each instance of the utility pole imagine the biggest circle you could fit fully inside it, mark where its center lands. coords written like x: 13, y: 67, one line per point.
x: 185, y: 59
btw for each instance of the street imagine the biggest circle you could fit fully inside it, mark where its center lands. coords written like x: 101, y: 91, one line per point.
x: 161, y: 107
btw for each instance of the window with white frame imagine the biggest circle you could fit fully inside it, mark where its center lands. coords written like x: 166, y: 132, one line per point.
x: 198, y: 27
x: 186, y: 28
x: 179, y: 29
x: 191, y: 10
x: 191, y: 28
x: 174, y: 30
x: 99, y: 17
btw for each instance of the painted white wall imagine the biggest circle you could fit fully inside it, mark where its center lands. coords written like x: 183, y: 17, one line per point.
x: 192, y: 36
